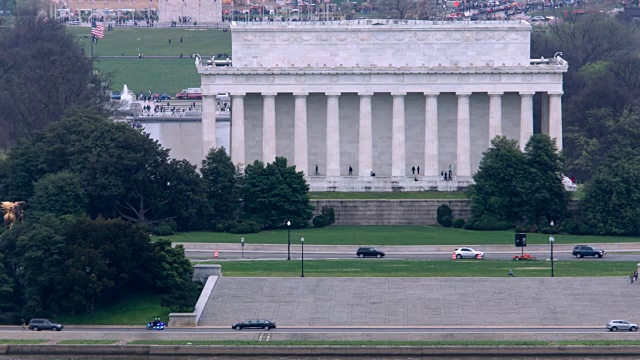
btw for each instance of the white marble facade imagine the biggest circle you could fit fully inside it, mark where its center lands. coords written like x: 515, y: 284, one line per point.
x: 203, y: 12
x: 382, y: 96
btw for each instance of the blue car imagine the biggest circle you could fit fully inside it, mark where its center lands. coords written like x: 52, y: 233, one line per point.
x: 115, y: 95
x: 156, y: 324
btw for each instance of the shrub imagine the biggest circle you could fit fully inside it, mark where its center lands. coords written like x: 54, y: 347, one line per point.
x: 230, y: 225
x: 577, y: 227
x: 163, y: 229
x: 443, y: 211
x: 329, y: 213
x: 320, y: 221
x: 458, y: 223
x: 173, y: 225
x: 245, y: 227
x: 486, y: 222
x: 219, y: 227
x: 446, y: 221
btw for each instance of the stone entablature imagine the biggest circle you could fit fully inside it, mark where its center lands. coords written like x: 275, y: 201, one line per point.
x: 380, y: 43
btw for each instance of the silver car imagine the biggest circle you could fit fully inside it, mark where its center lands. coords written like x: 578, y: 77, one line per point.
x: 615, y: 325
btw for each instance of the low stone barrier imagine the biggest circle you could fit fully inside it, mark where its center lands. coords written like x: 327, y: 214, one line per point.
x: 191, y: 319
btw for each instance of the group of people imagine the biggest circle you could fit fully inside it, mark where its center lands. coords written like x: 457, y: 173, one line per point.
x: 444, y: 175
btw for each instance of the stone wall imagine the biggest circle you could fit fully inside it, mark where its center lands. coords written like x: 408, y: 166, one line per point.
x: 380, y: 42
x: 391, y: 212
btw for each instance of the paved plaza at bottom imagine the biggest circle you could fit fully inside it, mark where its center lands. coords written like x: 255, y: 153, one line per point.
x: 504, y: 301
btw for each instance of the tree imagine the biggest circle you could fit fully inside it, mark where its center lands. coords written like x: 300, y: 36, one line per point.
x: 396, y: 8
x: 60, y: 194
x: 499, y: 189
x: 43, y: 74
x: 222, y: 189
x: 173, y: 273
x: 545, y: 196
x: 8, y: 309
x: 276, y: 193
x: 611, y: 197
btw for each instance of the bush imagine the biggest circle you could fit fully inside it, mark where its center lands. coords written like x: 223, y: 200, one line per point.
x: 219, y: 227
x: 443, y: 211
x: 329, y: 213
x: 577, y: 227
x: 320, y: 221
x: 446, y: 221
x: 458, y: 223
x: 163, y: 229
x: 486, y: 222
x: 230, y: 225
x: 246, y: 227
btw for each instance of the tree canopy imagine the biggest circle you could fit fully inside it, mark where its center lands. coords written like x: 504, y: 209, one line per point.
x: 43, y: 74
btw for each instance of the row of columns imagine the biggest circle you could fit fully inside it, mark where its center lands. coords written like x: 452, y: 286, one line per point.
x: 551, y: 124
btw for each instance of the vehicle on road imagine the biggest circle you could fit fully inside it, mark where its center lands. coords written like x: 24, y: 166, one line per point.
x: 524, y: 256
x: 190, y: 93
x: 44, y: 324
x: 467, y: 253
x: 254, y: 324
x: 115, y: 95
x: 615, y: 325
x: 538, y: 18
x: 156, y: 324
x: 580, y: 251
x: 369, y: 252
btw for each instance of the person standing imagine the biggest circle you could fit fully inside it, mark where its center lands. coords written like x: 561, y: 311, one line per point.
x: 350, y: 171
x: 418, y: 169
x: 413, y: 170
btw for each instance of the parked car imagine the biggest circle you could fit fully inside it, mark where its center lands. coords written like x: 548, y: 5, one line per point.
x: 115, y: 95
x: 615, y: 325
x: 369, y: 251
x: 254, y: 324
x: 585, y: 250
x: 538, y: 18
x: 44, y: 324
x: 467, y: 253
x: 163, y: 96
x: 524, y: 256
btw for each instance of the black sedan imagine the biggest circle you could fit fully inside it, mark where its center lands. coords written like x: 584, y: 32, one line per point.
x: 254, y: 324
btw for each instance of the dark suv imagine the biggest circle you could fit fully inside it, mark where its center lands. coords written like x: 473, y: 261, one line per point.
x: 585, y: 250
x: 369, y: 251
x: 44, y: 324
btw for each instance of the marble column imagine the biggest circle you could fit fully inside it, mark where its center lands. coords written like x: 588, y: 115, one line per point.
x: 398, y: 153
x: 495, y: 114
x: 208, y: 124
x: 555, y: 117
x: 333, y: 134
x: 365, y: 144
x: 431, y: 134
x: 301, y: 159
x: 463, y: 144
x: 237, y: 129
x: 268, y: 127
x: 544, y: 114
x: 526, y: 117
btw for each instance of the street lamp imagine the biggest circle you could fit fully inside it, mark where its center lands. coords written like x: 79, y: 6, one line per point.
x: 288, y: 240
x: 242, y: 243
x: 551, y: 240
x: 302, y: 261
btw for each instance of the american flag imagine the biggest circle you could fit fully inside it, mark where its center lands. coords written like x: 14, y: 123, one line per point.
x: 97, y: 30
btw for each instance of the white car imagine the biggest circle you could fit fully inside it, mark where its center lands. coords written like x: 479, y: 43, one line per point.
x: 467, y: 253
x: 615, y: 325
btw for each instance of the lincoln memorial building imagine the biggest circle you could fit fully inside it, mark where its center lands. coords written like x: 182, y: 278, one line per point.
x: 381, y: 97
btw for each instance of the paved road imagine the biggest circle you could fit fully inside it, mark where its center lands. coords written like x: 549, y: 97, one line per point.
x: 337, y: 329
x: 204, y: 255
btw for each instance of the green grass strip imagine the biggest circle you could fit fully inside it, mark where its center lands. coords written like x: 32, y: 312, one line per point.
x: 87, y: 342
x: 424, y: 268
x: 386, y: 343
x: 21, y: 342
x: 382, y: 235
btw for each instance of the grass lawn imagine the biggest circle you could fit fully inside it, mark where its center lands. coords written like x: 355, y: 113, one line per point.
x: 389, y: 195
x: 162, y: 75
x: 389, y: 235
x: 387, y: 343
x: 155, y: 42
x: 136, y: 309
x: 158, y: 75
x: 87, y: 342
x: 21, y: 341
x: 425, y: 268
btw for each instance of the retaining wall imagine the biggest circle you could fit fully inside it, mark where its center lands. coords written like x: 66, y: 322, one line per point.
x: 391, y: 212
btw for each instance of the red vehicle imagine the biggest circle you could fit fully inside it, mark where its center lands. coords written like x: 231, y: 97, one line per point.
x: 190, y: 93
x: 524, y: 256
